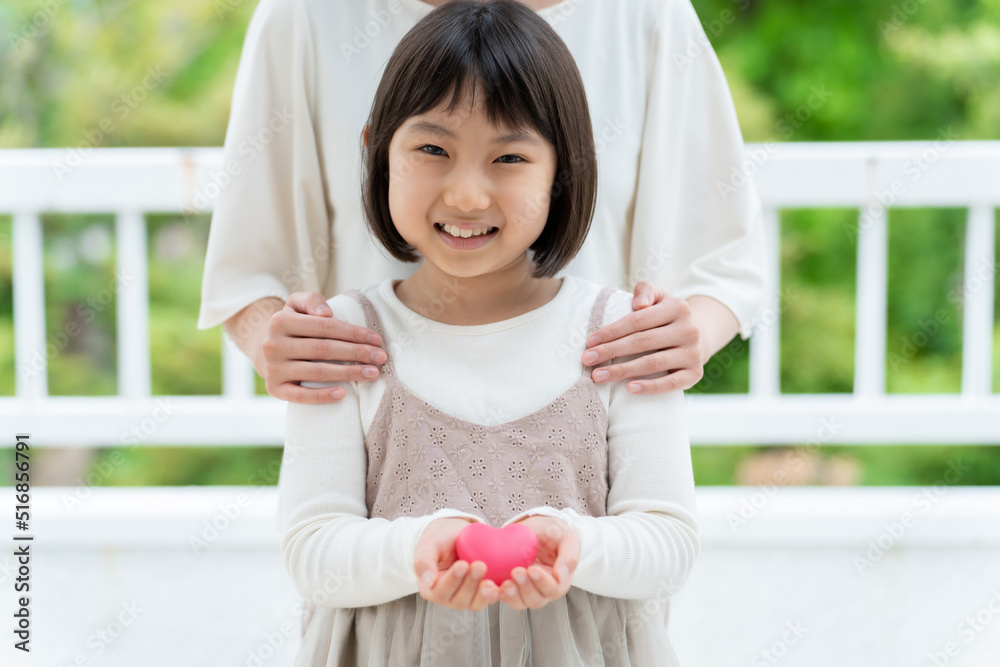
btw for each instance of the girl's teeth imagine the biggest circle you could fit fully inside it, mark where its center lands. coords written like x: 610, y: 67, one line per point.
x: 464, y: 233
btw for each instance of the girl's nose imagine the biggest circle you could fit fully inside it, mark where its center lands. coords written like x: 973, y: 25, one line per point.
x: 466, y: 190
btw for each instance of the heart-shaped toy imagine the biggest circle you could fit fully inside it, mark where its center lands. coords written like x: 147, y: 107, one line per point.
x: 502, y: 549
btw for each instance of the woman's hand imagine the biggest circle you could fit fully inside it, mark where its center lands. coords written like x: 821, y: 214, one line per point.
x: 550, y: 576
x: 304, y: 330
x: 445, y: 580
x: 659, y: 326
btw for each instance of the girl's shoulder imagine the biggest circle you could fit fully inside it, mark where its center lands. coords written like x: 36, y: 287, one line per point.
x: 347, y: 308
x: 618, y: 305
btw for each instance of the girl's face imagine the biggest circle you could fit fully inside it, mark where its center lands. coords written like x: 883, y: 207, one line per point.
x: 458, y: 174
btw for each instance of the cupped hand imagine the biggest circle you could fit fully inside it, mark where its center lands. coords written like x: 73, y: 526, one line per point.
x: 305, y: 330
x: 661, y: 328
x: 444, y: 579
x: 550, y: 576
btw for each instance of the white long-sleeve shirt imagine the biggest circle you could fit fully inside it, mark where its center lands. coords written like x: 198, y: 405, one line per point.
x: 486, y: 374
x: 664, y: 125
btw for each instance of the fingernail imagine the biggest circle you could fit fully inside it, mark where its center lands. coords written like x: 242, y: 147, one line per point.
x: 370, y: 373
x: 519, y: 577
x: 535, y: 574
x: 589, y: 357
x: 593, y: 340
x: 563, y: 572
x: 601, y: 376
x: 427, y: 578
x: 373, y: 339
x: 378, y: 357
x: 642, y: 301
x: 324, y: 310
x: 634, y: 387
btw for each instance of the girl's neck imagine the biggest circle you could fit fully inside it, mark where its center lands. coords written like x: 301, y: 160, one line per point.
x: 485, y: 299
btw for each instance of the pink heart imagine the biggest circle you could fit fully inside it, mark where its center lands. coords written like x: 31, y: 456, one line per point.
x: 502, y: 549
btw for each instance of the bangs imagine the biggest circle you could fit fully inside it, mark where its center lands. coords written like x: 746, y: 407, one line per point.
x: 472, y: 55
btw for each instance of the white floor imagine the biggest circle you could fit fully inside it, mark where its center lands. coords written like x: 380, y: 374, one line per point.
x: 116, y: 582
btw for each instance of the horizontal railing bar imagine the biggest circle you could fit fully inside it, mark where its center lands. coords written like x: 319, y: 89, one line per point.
x: 788, y: 175
x: 945, y: 419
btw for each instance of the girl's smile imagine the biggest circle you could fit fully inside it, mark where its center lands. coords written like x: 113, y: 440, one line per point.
x: 462, y: 236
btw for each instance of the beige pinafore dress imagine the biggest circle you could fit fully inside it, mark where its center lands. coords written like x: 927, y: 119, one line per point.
x: 421, y: 459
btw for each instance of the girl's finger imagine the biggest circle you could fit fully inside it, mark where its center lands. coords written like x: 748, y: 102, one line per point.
x: 444, y: 590
x: 466, y: 592
x: 530, y: 595
x: 510, y: 594
x: 486, y: 593
x: 545, y: 584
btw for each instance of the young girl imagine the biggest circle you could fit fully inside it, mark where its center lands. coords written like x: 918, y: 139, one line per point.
x: 480, y: 163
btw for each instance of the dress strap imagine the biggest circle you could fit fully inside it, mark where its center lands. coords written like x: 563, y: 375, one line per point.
x: 596, y: 318
x: 375, y: 324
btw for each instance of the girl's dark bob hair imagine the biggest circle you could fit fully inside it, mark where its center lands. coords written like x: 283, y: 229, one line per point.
x: 529, y: 80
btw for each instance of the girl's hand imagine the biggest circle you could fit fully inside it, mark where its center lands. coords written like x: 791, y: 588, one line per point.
x: 663, y: 329
x: 550, y: 576
x: 304, y: 330
x: 445, y: 580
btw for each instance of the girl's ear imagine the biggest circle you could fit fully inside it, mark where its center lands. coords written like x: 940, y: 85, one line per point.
x: 364, y: 135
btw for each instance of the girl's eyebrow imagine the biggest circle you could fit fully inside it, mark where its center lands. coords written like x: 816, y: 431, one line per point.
x: 509, y: 138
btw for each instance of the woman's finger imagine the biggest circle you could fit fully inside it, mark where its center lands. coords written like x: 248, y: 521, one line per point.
x: 684, y: 379
x: 677, y: 333
x: 287, y: 346
x: 647, y: 294
x: 318, y: 371
x: 640, y: 320
x: 651, y: 365
x: 292, y: 323
x: 312, y: 303
x: 294, y: 393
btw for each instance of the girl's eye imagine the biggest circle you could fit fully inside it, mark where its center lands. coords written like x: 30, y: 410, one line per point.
x: 432, y: 149
x: 515, y: 160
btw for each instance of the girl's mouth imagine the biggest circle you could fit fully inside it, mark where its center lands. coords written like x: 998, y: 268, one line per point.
x: 465, y: 242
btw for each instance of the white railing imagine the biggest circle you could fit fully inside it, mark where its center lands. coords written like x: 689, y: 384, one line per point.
x: 866, y: 176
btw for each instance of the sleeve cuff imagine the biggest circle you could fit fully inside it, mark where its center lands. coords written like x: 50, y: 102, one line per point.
x: 539, y: 511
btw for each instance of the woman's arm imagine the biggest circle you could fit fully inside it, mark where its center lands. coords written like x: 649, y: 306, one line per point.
x: 697, y: 225
x: 335, y: 555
